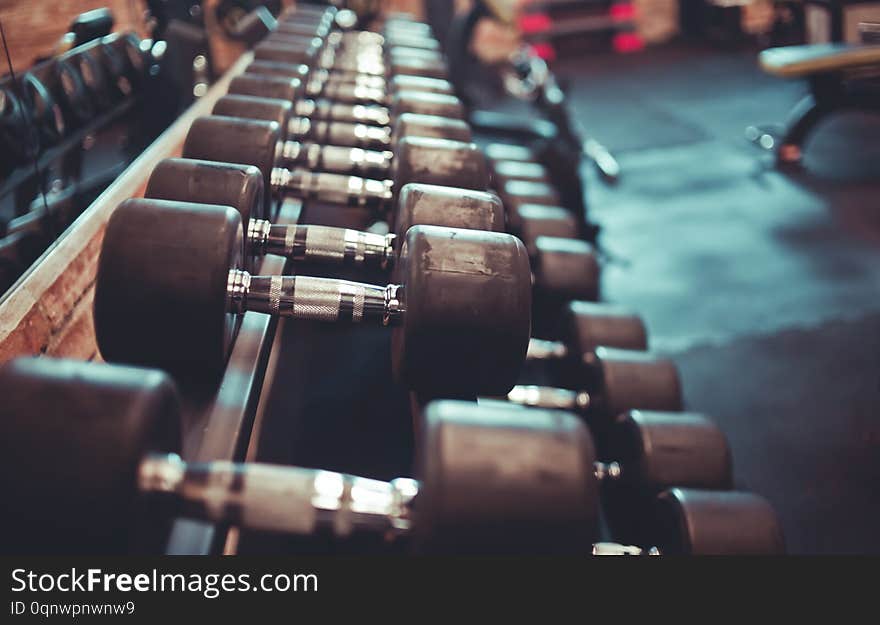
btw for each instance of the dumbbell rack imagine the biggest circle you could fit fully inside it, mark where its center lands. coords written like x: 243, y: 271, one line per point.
x: 292, y: 392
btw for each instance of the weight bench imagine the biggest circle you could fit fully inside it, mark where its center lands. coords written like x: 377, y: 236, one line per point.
x: 841, y: 77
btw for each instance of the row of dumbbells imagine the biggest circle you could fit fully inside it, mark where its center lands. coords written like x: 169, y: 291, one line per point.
x: 491, y: 476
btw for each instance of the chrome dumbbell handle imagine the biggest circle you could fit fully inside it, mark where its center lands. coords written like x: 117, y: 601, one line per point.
x: 333, y: 188
x: 279, y: 498
x: 321, y: 244
x: 313, y: 299
x: 334, y: 158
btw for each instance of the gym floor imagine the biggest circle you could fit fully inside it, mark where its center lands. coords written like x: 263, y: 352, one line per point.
x: 764, y: 286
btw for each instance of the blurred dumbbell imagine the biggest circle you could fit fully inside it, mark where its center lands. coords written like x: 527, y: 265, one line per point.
x: 354, y: 89
x: 344, y: 158
x: 292, y: 90
x: 340, y: 133
x: 259, y: 143
x: 584, y: 326
x: 460, y: 309
x: 609, y: 382
x: 706, y: 523
x: 488, y: 480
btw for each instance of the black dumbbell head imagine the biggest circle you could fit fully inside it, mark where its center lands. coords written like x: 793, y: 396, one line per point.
x: 454, y: 207
x: 72, y: 436
x: 499, y: 478
x: 261, y: 86
x: 584, y: 326
x: 535, y: 220
x: 161, y: 287
x: 416, y: 125
x: 252, y: 107
x: 565, y: 269
x: 210, y: 182
x: 467, y: 296
x: 700, y: 522
x: 235, y: 140
x: 621, y: 380
x: 659, y: 450
x: 429, y: 160
x: 426, y: 103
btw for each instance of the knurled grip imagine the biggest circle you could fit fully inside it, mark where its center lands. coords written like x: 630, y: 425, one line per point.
x: 316, y: 299
x: 334, y: 188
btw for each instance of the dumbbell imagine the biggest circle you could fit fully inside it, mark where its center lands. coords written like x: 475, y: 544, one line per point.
x: 606, y: 383
x: 364, y: 54
x: 582, y: 327
x: 105, y: 450
x: 698, y: 522
x: 347, y: 134
x: 460, y: 309
x: 340, y: 133
x: 258, y: 143
x: 340, y: 158
x: 418, y: 204
x: 310, y: 34
x: 340, y: 86
x: 292, y: 90
x: 350, y: 89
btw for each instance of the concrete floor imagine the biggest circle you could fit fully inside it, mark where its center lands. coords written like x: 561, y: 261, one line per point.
x: 764, y: 286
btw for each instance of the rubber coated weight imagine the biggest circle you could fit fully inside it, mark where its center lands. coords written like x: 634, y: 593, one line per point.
x: 468, y: 304
x: 252, y: 107
x: 534, y: 220
x: 453, y: 207
x: 496, y: 478
x: 416, y: 125
x: 234, y: 140
x: 430, y: 160
x: 624, y: 380
x: 289, y: 89
x: 659, y: 450
x: 211, y: 182
x: 79, y: 430
x: 565, y: 268
x: 700, y: 522
x: 161, y: 286
x: 584, y: 326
